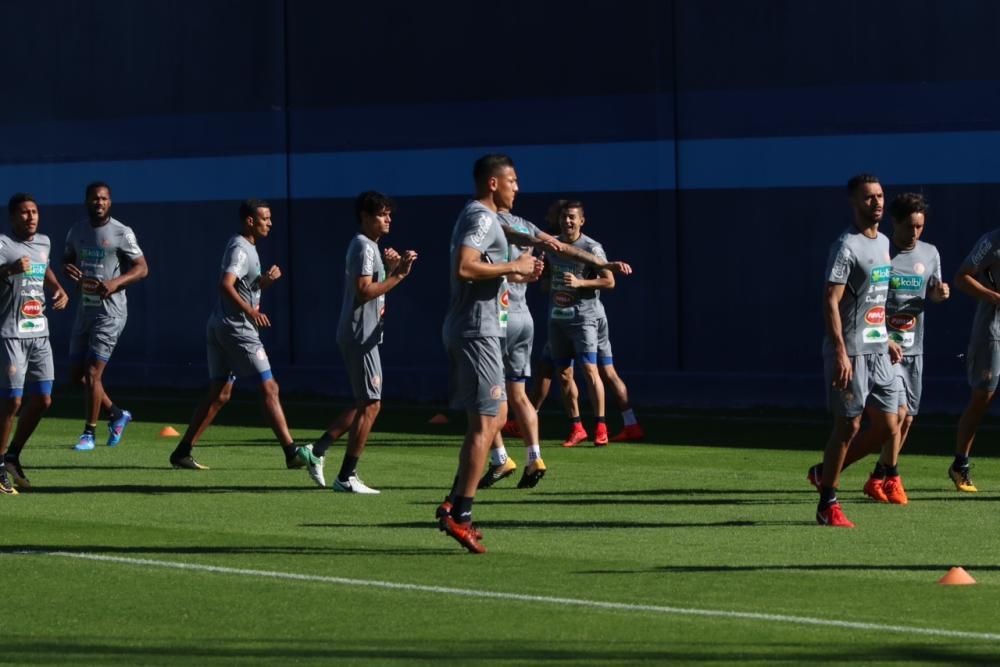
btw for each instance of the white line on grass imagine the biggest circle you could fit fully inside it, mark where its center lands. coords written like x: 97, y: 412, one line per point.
x: 519, y: 597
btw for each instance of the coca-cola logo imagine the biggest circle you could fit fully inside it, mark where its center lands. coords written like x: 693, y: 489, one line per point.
x: 875, y: 316
x: 505, y: 299
x: 563, y: 299
x: 902, y: 322
x: 31, y: 308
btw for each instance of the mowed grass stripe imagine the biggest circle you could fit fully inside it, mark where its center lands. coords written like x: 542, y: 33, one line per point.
x: 520, y: 597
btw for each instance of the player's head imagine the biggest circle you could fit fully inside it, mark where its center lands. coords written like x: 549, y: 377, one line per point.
x: 571, y: 221
x: 374, y: 212
x: 867, y: 199
x: 255, y: 218
x: 22, y: 209
x: 553, y: 215
x: 495, y: 178
x: 909, y: 214
x: 97, y: 198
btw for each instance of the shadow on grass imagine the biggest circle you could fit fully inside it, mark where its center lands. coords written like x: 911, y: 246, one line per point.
x: 545, y: 525
x: 158, y: 489
x: 270, y: 549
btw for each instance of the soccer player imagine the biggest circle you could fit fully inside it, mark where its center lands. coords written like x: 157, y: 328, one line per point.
x: 857, y: 364
x: 977, y: 277
x: 915, y: 277
x: 25, y: 353
x: 233, y: 341
x: 367, y: 279
x: 575, y: 315
x: 96, y: 251
x: 473, y: 332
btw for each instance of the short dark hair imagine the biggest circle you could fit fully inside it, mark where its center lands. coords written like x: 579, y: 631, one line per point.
x: 95, y: 185
x: 906, y: 204
x: 372, y: 203
x: 858, y: 180
x: 490, y: 165
x: 573, y: 203
x: 16, y: 200
x: 248, y: 208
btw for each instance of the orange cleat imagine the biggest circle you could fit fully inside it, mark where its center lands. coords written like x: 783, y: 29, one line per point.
x: 630, y: 433
x: 873, y: 489
x: 576, y: 436
x: 894, y: 491
x: 833, y: 516
x: 444, y: 509
x: 464, y: 534
x: 600, y: 435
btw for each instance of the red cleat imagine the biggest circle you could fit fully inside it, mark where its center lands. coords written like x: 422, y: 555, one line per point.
x: 815, y: 475
x: 576, y: 436
x: 894, y: 491
x: 444, y: 509
x: 833, y: 516
x: 600, y: 434
x: 630, y: 433
x: 463, y: 533
x: 873, y: 489
x: 511, y: 429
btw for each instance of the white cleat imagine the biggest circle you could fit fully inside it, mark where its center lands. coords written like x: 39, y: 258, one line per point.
x: 353, y: 485
x: 315, y: 468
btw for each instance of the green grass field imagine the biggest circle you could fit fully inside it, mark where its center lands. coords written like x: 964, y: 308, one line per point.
x: 698, y: 547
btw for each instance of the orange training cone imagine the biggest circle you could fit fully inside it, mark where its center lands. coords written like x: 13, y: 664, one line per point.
x: 438, y: 419
x: 956, y: 577
x: 168, y: 432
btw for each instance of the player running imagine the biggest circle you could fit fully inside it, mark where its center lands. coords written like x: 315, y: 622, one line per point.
x: 24, y: 330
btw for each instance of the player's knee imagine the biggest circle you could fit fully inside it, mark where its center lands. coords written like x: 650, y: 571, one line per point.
x: 43, y: 401
x: 12, y: 405
x: 373, y: 408
x: 269, y: 388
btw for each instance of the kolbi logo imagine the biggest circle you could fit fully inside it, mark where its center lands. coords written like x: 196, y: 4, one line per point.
x: 880, y: 274
x: 906, y: 283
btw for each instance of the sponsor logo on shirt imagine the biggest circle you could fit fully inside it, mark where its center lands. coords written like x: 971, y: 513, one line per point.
x: 902, y: 321
x: 563, y: 299
x: 875, y: 316
x: 880, y: 274
x: 31, y: 308
x: 981, y: 250
x: 482, y: 227
x: 878, y: 298
x: 906, y: 283
x: 875, y: 335
x: 903, y: 338
x: 31, y: 326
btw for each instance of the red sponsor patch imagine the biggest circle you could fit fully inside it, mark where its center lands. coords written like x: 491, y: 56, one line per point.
x: 875, y: 316
x: 505, y: 298
x: 31, y: 308
x: 902, y: 322
x: 563, y: 299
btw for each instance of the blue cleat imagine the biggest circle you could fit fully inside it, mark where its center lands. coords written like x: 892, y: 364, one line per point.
x: 117, y: 427
x: 86, y: 443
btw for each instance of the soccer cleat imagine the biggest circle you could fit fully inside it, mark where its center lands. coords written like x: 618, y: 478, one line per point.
x: 116, y: 427
x: 576, y: 436
x: 630, y: 433
x: 444, y: 509
x: 533, y: 473
x: 186, y: 462
x: 961, y: 479
x: 354, y: 485
x: 463, y: 533
x: 6, y: 488
x: 815, y: 475
x: 496, y: 473
x: 894, y: 491
x: 600, y: 434
x: 17, y: 474
x: 314, y: 464
x: 511, y: 429
x: 873, y: 489
x: 85, y: 444
x: 833, y: 516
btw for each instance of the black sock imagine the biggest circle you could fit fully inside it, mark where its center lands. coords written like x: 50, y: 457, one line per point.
x: 827, y: 496
x: 181, y: 450
x: 575, y: 421
x: 461, y: 509
x: 879, y: 470
x: 891, y: 471
x: 347, y: 468
x: 961, y: 462
x: 322, y: 444
x: 602, y: 420
x: 289, y: 451
x: 89, y: 428
x: 14, y: 451
x: 115, y: 412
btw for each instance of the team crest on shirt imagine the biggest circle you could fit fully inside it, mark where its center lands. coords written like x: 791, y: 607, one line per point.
x: 919, y: 268
x: 376, y: 381
x: 12, y: 370
x: 496, y: 392
x: 261, y: 354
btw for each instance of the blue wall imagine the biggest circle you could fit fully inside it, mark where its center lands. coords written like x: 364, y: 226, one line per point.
x: 709, y: 139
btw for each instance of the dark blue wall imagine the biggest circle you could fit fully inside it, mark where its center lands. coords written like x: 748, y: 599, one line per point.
x: 709, y: 139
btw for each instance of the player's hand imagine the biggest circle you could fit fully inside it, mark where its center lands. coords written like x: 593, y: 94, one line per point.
x: 843, y: 372
x: 621, y: 268
x: 570, y: 279
x: 260, y: 320
x: 895, y: 352
x: 73, y: 272
x: 551, y: 243
x: 406, y: 263
x: 270, y: 277
x: 940, y: 292
x: 60, y: 299
x: 105, y: 288
x: 391, y: 259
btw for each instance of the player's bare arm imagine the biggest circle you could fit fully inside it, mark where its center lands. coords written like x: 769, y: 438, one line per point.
x: 59, y: 297
x: 138, y: 271
x: 470, y: 266
x: 16, y: 267
x: 227, y: 287
x: 270, y: 277
x: 968, y: 284
x: 605, y: 281
x: 550, y: 243
x: 835, y: 330
x: 939, y: 291
x: 367, y: 289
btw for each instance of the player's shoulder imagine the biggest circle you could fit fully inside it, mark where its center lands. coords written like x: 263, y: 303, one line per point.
x: 590, y: 241
x: 5, y: 242
x: 925, y: 248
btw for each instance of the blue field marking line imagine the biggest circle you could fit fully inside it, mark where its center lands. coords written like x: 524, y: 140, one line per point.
x: 519, y: 597
x: 700, y: 164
